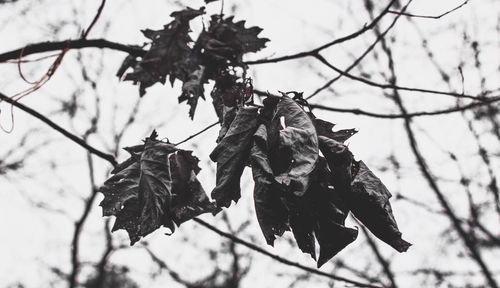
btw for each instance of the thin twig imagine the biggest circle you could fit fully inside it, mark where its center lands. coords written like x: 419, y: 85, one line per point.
x: 96, y: 17
x: 197, y: 133
x: 329, y: 44
x: 429, y: 16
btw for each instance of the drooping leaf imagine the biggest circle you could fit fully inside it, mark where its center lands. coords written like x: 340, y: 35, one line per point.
x: 302, y: 222
x: 331, y: 212
x: 271, y: 213
x: 169, y: 53
x: 156, y: 186
x: 370, y: 204
x: 324, y: 128
x: 339, y: 160
x: 294, y: 146
x: 192, y: 89
x: 189, y: 197
x: 231, y: 155
x: 229, y: 113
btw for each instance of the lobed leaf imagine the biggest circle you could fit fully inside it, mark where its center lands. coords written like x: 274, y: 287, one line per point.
x: 156, y: 186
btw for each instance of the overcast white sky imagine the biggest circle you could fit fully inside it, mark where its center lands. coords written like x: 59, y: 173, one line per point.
x: 32, y: 240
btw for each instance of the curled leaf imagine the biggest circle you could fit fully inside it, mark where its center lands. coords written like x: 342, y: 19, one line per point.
x: 271, y: 213
x: 370, y: 204
x: 324, y: 128
x: 231, y: 155
x: 294, y: 147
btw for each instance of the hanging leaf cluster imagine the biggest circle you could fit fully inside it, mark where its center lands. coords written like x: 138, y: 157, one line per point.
x: 156, y: 186
x: 306, y: 179
x: 216, y: 55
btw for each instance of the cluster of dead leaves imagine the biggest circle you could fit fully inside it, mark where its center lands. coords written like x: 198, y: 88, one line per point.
x: 296, y: 188
x: 306, y: 181
x: 215, y: 55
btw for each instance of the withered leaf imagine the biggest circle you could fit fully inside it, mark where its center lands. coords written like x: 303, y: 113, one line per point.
x: 227, y: 41
x: 231, y: 155
x: 156, y: 186
x: 370, y: 204
x: 296, y: 146
x: 192, y: 89
x: 189, y: 197
x: 228, y: 114
x: 168, y: 54
x: 271, y: 212
x: 324, y: 128
x: 330, y: 206
x: 339, y: 160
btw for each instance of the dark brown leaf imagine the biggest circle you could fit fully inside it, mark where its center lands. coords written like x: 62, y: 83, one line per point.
x: 370, y: 204
x: 169, y: 53
x: 231, y: 155
x: 324, y: 128
x: 272, y: 214
x: 156, y: 186
x: 294, y: 146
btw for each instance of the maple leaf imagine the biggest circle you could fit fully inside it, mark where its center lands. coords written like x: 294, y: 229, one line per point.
x: 271, y: 212
x: 370, y: 204
x: 169, y: 53
x: 231, y: 155
x: 156, y: 186
x: 226, y: 41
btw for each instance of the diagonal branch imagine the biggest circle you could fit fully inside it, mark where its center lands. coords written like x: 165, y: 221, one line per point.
x: 108, y: 157
x: 278, y: 258
x: 329, y: 44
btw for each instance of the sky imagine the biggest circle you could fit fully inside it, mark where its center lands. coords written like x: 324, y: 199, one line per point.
x: 35, y: 239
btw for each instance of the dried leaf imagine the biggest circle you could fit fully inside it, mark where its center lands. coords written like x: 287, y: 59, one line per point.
x: 339, y: 160
x: 192, y: 89
x: 324, y: 128
x: 271, y: 213
x: 370, y: 204
x: 189, y: 197
x: 296, y: 152
x: 227, y: 41
x: 156, y: 186
x: 169, y: 53
x: 231, y: 155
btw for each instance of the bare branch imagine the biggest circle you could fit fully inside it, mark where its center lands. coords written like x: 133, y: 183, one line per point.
x: 280, y: 259
x: 70, y: 44
x: 108, y: 157
x: 428, y: 16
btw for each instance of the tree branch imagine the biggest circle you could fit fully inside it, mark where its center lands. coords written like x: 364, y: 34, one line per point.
x: 71, y: 44
x: 278, y: 258
x: 329, y: 44
x: 108, y: 157
x: 430, y: 17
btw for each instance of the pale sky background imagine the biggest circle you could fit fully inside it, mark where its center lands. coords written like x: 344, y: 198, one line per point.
x: 32, y: 239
